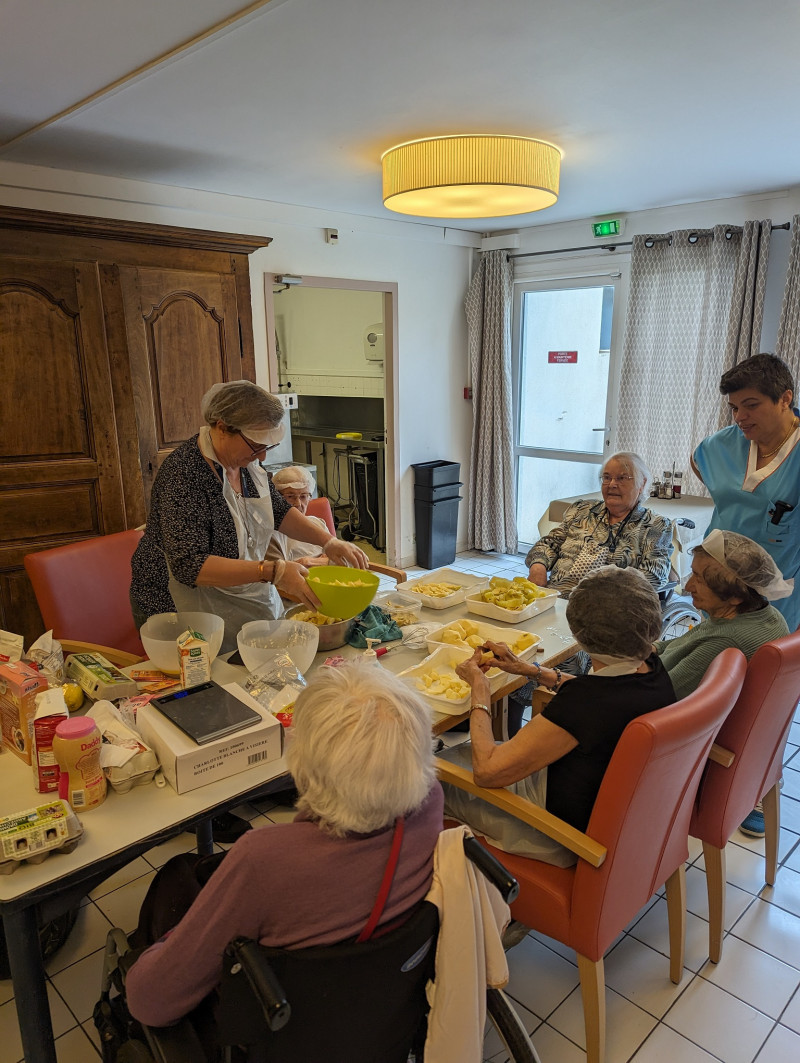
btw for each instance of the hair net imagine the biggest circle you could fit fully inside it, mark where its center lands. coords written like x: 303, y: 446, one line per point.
x: 295, y: 477
x: 244, y: 406
x: 615, y: 612
x: 748, y: 562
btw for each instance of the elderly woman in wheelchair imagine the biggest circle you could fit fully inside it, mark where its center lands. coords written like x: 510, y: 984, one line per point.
x: 362, y: 762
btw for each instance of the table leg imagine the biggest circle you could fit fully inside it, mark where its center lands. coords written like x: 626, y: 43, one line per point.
x: 204, y: 833
x: 30, y: 987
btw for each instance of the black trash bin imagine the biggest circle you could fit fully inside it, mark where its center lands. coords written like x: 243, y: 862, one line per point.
x: 436, y: 498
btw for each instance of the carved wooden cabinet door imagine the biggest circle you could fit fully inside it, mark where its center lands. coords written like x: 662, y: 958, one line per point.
x: 59, y: 462
x: 183, y: 336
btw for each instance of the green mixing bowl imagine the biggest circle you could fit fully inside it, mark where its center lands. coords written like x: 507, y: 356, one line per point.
x: 343, y: 592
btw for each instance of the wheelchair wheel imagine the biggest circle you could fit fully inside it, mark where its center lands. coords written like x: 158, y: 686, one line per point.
x: 677, y: 619
x: 509, y: 1028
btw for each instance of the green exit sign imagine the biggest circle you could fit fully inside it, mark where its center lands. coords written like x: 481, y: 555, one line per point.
x: 610, y: 227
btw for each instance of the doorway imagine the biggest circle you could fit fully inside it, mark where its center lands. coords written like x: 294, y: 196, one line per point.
x: 331, y: 342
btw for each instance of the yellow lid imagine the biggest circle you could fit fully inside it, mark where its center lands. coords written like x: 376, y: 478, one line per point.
x: 348, y: 435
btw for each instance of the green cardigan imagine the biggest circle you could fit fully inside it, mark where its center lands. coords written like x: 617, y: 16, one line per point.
x: 687, y: 658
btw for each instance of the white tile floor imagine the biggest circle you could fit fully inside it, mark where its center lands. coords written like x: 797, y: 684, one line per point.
x: 743, y: 1009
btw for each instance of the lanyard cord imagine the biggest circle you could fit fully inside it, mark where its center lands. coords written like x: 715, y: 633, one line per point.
x: 613, y: 540
x: 386, y: 884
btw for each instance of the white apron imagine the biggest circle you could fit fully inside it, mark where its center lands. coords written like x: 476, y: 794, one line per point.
x: 255, y: 523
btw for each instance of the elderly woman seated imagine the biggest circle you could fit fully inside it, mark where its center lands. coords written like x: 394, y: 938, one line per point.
x: 558, y: 759
x: 619, y: 531
x: 296, y: 485
x: 733, y: 581
x: 362, y: 762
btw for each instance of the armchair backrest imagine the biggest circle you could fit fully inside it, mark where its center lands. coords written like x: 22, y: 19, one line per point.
x: 644, y: 804
x: 82, y: 590
x: 755, y: 731
x: 321, y: 507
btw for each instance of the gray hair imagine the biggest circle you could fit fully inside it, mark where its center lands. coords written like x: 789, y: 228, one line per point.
x: 615, y: 612
x: 241, y: 404
x: 636, y: 466
x: 361, y: 751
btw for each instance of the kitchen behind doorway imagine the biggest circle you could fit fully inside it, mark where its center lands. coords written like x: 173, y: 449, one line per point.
x: 331, y: 348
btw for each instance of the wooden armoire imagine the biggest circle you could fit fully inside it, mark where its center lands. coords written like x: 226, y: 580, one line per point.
x: 110, y: 333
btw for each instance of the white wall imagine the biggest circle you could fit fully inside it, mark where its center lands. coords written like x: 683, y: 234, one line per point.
x: 430, y: 265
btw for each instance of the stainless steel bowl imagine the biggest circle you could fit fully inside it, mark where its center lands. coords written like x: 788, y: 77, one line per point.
x: 331, y: 636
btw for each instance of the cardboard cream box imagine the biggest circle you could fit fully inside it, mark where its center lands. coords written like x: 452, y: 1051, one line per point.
x: 19, y: 686
x: 187, y: 765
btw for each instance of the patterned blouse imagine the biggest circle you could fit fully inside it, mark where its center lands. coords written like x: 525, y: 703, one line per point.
x: 189, y: 521
x: 645, y: 542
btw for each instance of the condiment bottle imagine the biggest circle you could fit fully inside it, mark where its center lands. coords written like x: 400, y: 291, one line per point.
x: 76, y: 745
x: 677, y: 484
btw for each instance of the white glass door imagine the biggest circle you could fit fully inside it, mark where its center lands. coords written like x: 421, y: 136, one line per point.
x: 564, y: 374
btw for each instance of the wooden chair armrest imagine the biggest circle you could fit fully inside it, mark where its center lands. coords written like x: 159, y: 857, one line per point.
x: 540, y: 699
x: 574, y: 840
x: 721, y: 755
x: 397, y: 574
x: 118, y: 657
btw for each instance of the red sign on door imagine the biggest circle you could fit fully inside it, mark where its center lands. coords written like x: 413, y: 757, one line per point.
x: 556, y: 357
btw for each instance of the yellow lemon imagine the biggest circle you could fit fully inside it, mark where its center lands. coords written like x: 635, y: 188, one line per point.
x: 73, y: 695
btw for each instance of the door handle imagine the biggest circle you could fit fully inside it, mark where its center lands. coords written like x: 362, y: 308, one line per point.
x: 606, y: 429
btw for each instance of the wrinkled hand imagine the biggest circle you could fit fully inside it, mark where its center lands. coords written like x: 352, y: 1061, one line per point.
x: 538, y: 574
x: 342, y: 553
x: 505, y: 659
x: 292, y: 584
x: 471, y: 672
x: 313, y: 562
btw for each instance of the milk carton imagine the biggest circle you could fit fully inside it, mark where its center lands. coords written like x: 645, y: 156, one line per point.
x: 195, y: 658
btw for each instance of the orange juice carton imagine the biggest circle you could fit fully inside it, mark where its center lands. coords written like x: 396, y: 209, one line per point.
x: 195, y: 658
x: 51, y: 709
x: 19, y: 686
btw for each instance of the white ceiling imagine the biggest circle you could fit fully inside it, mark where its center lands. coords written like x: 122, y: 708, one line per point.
x: 653, y: 102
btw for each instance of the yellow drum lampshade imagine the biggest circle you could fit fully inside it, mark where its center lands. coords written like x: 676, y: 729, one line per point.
x: 470, y: 176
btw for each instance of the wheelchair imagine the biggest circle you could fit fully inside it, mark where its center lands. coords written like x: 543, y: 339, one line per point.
x: 363, y: 1003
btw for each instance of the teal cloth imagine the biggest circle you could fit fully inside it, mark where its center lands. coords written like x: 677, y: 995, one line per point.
x: 373, y: 623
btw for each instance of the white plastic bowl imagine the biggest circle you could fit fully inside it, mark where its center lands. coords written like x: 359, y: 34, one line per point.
x: 159, y: 636
x: 259, y: 640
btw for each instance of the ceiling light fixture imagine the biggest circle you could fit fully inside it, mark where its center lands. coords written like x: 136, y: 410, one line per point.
x: 470, y: 176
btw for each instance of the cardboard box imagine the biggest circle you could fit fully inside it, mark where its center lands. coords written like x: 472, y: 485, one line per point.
x: 19, y: 686
x: 187, y: 765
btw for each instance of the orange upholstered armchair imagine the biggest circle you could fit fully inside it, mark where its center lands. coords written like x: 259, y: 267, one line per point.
x: 82, y: 591
x: 636, y: 840
x: 755, y: 735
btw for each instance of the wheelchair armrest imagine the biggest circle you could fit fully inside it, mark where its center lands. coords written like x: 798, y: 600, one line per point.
x: 174, y: 1044
x: 491, y: 867
x: 262, y: 980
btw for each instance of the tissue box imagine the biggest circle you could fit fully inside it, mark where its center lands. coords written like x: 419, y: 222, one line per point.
x: 19, y: 686
x: 187, y: 765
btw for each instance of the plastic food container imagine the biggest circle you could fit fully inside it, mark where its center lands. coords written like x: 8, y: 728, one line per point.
x: 443, y: 660
x: 463, y: 580
x: 403, y: 611
x: 486, y: 632
x: 159, y: 634
x: 342, y: 591
x: 331, y: 636
x: 259, y: 640
x: 511, y: 616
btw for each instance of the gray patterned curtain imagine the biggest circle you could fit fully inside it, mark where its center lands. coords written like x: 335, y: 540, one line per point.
x: 787, y: 345
x: 747, y: 301
x: 492, y: 493
x: 675, y: 337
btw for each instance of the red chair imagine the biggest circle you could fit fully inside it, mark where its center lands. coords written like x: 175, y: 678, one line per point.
x: 82, y: 590
x: 636, y: 840
x: 321, y: 507
x: 755, y: 735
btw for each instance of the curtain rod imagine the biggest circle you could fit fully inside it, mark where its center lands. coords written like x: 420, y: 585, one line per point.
x: 693, y: 238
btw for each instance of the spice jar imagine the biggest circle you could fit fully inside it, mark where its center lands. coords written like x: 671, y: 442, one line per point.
x: 76, y: 745
x: 677, y: 484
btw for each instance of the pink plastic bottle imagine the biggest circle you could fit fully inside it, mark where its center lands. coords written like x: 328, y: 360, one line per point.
x: 76, y: 745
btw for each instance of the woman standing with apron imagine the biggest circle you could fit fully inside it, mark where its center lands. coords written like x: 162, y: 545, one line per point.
x: 212, y: 514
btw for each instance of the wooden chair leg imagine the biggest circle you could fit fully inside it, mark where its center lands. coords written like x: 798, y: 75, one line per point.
x: 676, y: 914
x: 771, y: 803
x: 715, y: 884
x: 593, y: 991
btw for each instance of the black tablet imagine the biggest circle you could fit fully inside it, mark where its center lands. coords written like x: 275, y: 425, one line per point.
x: 206, y: 712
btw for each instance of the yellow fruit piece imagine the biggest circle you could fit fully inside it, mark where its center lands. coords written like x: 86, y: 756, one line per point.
x: 73, y: 696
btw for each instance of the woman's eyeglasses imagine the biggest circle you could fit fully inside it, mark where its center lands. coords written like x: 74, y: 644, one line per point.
x: 257, y: 448
x: 606, y: 479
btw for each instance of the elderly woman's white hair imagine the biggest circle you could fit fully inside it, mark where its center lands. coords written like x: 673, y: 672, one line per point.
x: 361, y: 751
x: 241, y: 404
x: 614, y: 612
x: 636, y: 467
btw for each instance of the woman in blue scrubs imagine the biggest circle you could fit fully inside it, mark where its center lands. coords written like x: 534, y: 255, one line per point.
x: 752, y: 468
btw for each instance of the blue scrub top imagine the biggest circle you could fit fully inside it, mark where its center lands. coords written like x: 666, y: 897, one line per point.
x: 722, y: 462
